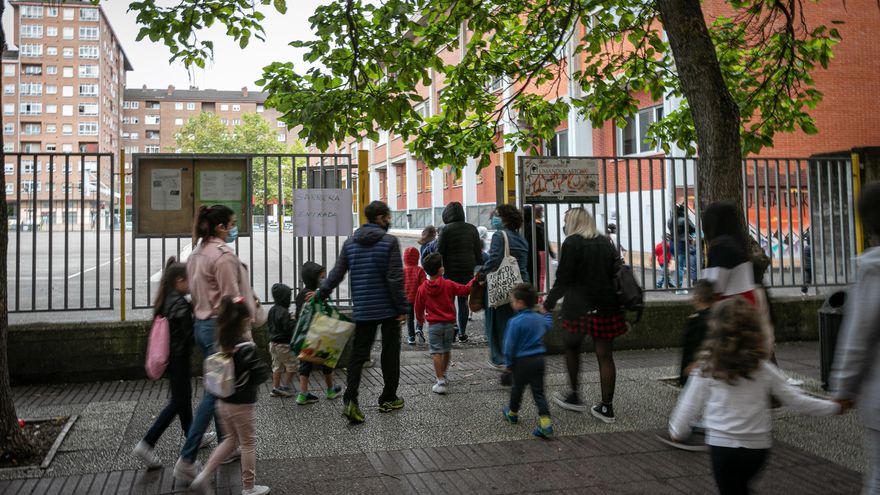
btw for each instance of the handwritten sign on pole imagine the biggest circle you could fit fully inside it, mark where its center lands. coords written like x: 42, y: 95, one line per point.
x: 560, y: 179
x: 322, y: 212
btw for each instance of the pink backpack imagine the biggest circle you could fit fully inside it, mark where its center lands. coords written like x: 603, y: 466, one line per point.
x: 158, y: 348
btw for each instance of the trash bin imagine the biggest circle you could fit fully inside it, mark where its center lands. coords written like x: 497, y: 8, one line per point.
x: 830, y: 318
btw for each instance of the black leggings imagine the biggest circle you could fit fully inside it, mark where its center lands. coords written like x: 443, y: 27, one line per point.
x: 734, y: 468
x: 605, y: 357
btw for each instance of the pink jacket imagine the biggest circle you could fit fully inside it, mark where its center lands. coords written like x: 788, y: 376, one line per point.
x: 215, y: 271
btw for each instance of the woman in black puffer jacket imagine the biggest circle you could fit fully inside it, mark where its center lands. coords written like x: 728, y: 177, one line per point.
x: 585, y: 279
x: 462, y: 251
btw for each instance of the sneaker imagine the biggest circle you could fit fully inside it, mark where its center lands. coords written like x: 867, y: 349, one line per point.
x: 147, y: 454
x: 421, y: 336
x: 694, y: 443
x: 510, y: 416
x: 186, y: 471
x: 794, y: 382
x: 201, y: 483
x: 369, y: 363
x: 462, y: 338
x: 411, y: 340
x: 604, y: 412
x: 391, y: 405
x: 544, y: 429
x: 234, y: 456
x: 256, y: 490
x: 351, y: 411
x: 496, y: 367
x: 306, y: 398
x: 572, y: 402
x: 280, y: 392
x: 207, y: 438
x: 333, y: 392
x: 439, y: 388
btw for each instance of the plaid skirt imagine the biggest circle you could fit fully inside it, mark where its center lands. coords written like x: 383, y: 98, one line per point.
x: 602, y: 326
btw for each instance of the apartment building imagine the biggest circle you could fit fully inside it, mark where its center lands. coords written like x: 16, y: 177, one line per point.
x: 847, y: 118
x: 62, y: 93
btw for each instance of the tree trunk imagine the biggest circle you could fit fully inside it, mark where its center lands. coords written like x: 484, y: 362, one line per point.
x: 715, y: 114
x: 11, y: 438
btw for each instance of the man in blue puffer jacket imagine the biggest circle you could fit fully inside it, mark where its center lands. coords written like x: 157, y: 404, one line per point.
x: 372, y: 258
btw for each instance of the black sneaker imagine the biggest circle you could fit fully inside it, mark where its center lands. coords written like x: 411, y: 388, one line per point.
x: 462, y: 338
x: 694, y: 443
x: 604, y: 412
x: 421, y: 336
x: 572, y: 402
x: 411, y: 340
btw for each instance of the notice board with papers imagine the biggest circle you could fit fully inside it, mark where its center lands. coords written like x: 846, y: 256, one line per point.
x: 169, y: 189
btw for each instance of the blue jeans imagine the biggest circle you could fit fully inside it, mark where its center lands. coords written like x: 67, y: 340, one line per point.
x: 204, y: 332
x: 461, y: 304
x: 496, y: 324
x: 682, y: 260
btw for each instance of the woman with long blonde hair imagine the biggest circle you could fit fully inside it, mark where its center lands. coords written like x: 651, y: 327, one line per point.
x: 585, y: 281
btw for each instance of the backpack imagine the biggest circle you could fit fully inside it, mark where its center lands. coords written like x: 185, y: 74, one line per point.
x: 158, y: 348
x: 219, y: 372
x: 630, y: 295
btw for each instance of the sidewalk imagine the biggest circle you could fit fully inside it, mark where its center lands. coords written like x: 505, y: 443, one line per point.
x: 450, y: 444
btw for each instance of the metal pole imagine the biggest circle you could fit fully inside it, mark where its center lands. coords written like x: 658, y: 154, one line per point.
x: 363, y: 159
x: 122, y: 294
x: 857, y: 189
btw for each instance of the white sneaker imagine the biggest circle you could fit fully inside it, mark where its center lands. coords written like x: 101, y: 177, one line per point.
x: 202, y: 484
x: 207, y: 438
x: 234, y: 456
x: 146, y: 453
x: 794, y: 382
x: 439, y: 388
x: 256, y: 490
x: 186, y: 471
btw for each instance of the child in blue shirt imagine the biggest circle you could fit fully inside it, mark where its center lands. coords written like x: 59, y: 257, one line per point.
x: 524, y: 357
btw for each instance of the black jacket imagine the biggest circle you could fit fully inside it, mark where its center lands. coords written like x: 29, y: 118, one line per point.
x: 585, y: 277
x: 250, y: 373
x: 178, y: 311
x: 311, y: 273
x: 459, y: 244
x: 537, y: 246
x: 280, y: 325
x: 695, y: 329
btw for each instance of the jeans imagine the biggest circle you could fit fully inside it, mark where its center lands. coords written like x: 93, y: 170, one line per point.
x: 411, y: 325
x: 238, y: 420
x: 461, y: 304
x: 180, y: 403
x: 204, y: 332
x: 364, y: 336
x: 529, y: 371
x: 683, y: 260
x: 496, y: 324
x: 734, y: 468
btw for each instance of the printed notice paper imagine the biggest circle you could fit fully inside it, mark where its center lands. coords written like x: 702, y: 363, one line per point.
x: 165, y: 189
x: 220, y: 185
x: 322, y: 212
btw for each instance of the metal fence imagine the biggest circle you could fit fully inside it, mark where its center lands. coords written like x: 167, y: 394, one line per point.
x: 62, y: 223
x: 271, y: 252
x: 799, y: 210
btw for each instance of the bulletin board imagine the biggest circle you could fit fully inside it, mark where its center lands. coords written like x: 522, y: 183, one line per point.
x: 169, y: 189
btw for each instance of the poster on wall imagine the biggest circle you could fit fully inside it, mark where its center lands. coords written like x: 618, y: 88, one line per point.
x: 165, y: 186
x: 322, y: 212
x: 220, y: 185
x: 556, y: 179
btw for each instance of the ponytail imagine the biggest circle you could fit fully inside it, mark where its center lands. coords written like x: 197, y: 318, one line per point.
x: 207, y: 219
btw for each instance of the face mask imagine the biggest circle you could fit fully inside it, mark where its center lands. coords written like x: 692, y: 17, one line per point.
x: 496, y: 223
x: 387, y: 226
x: 232, y: 235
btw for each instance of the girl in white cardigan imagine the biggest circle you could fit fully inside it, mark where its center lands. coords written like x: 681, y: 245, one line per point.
x: 734, y: 383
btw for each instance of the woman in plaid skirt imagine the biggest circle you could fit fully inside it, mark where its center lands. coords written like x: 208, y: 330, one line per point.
x: 585, y: 282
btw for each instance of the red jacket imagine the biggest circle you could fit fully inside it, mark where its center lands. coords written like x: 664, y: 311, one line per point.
x: 413, y: 275
x: 435, y: 300
x: 658, y: 252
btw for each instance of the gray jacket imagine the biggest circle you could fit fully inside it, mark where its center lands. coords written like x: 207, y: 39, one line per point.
x: 855, y: 373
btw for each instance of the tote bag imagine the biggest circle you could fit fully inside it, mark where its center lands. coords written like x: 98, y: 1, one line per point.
x: 327, y: 336
x: 158, y: 348
x: 504, y: 278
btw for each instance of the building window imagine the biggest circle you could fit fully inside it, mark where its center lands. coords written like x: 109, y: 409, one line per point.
x: 30, y: 50
x: 88, y: 109
x: 152, y: 105
x: 32, y: 69
x: 90, y: 71
x: 260, y: 108
x: 9, y: 169
x: 9, y: 89
x: 51, y: 31
x: 236, y: 122
x: 67, y: 52
x: 151, y: 148
x: 67, y: 91
x: 67, y: 33
x: 224, y: 121
x: 132, y: 149
x: 31, y: 129
x: 8, y: 69
x: 51, y: 11
x: 496, y: 84
x: 31, y: 12
x: 51, y: 108
x: 51, y: 89
x: 88, y: 51
x: 134, y: 136
x: 190, y: 106
x: 51, y: 70
x: 151, y: 119
x: 633, y: 138
x: 68, y: 14
x: 9, y: 109
x: 88, y: 14
x: 178, y: 121
x: 131, y: 104
x: 423, y: 109
x: 31, y: 89
x: 282, y: 137
x: 558, y: 146
x: 178, y: 105
x: 236, y: 108
x: 67, y: 110
x: 52, y: 50
x: 51, y: 129
x: 88, y: 33
x: 280, y: 124
x: 31, y: 108
x: 88, y: 90
x: 8, y: 147
x: 31, y: 31
x: 151, y: 135
x: 88, y: 128
x: 67, y: 72
x: 67, y: 130
x: 130, y: 120
x: 224, y: 108
x: 8, y: 129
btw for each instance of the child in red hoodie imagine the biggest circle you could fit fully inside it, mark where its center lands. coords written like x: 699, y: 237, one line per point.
x: 435, y: 302
x: 413, y: 277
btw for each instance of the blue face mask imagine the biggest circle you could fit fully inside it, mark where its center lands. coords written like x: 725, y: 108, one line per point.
x: 496, y: 223
x: 232, y: 235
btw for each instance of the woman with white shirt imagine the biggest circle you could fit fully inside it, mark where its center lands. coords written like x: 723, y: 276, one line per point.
x: 734, y: 382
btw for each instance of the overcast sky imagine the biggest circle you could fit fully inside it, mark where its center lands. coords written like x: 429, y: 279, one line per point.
x: 232, y: 67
